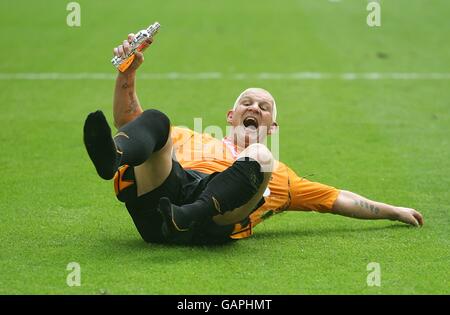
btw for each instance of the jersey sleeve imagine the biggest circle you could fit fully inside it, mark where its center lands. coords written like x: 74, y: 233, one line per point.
x: 310, y: 196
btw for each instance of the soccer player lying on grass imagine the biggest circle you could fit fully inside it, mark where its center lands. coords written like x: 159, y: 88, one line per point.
x: 173, y: 197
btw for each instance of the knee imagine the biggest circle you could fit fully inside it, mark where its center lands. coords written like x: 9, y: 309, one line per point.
x: 158, y: 124
x: 260, y: 153
x: 154, y: 115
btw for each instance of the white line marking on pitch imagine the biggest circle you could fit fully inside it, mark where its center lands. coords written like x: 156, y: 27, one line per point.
x: 232, y: 76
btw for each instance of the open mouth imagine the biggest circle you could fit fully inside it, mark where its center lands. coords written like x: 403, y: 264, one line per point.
x: 251, y: 122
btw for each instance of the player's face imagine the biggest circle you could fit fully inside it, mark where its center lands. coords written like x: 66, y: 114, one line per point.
x: 253, y: 117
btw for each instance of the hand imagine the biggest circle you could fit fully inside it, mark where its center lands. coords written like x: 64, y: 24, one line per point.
x: 408, y: 216
x: 124, y: 49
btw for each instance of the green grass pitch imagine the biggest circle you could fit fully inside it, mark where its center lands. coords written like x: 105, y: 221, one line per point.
x: 386, y: 139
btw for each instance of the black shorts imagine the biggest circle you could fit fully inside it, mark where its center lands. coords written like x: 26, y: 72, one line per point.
x: 181, y: 187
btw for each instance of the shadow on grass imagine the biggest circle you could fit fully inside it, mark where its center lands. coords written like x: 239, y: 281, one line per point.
x: 136, y: 249
x: 321, y: 232
x: 159, y: 252
x: 140, y: 244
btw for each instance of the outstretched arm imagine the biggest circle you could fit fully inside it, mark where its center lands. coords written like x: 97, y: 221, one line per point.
x: 353, y: 205
x: 126, y: 106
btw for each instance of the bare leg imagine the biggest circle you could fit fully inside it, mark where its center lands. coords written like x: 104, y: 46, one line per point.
x: 153, y: 172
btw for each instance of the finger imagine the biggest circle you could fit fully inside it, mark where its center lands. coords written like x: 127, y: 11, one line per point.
x: 120, y: 51
x: 130, y: 37
x: 139, y: 57
x: 126, y: 47
x: 419, y: 218
x: 410, y: 218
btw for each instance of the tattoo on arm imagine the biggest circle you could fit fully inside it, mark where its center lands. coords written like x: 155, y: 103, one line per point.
x: 133, y: 103
x: 366, y: 205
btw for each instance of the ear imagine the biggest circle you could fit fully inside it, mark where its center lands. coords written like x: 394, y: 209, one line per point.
x: 273, y: 128
x: 230, y: 116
